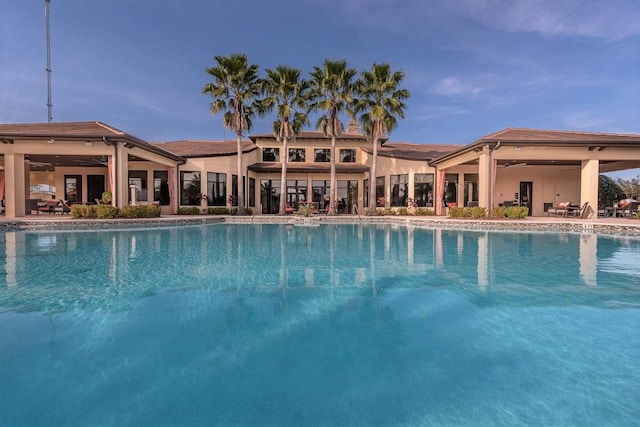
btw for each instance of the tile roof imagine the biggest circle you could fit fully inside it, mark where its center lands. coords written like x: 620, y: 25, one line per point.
x: 204, y: 148
x: 312, y: 134
x: 540, y: 135
x: 77, y: 131
x: 68, y: 129
x: 294, y: 167
x: 410, y: 151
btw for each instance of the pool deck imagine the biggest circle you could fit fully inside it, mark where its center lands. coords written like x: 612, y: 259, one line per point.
x: 623, y: 226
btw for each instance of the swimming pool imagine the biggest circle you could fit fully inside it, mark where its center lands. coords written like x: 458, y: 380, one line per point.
x: 330, y: 325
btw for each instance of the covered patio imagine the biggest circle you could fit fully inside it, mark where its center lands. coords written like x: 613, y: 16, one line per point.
x: 79, y: 161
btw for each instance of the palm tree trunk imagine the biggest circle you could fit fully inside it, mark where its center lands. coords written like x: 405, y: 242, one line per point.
x: 240, y: 180
x: 372, y: 178
x: 283, y: 177
x: 332, y: 190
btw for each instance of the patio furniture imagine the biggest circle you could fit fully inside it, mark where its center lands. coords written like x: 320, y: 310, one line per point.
x: 31, y: 205
x: 577, y: 212
x: 630, y: 210
x: 62, y: 207
x: 561, y: 209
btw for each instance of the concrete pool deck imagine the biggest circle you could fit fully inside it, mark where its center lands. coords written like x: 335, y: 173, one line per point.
x: 623, y: 226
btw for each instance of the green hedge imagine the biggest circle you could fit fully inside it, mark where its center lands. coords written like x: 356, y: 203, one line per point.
x: 511, y: 212
x: 140, y: 211
x: 189, y: 210
x: 425, y: 212
x: 218, y: 211
x: 474, y: 212
x: 110, y: 212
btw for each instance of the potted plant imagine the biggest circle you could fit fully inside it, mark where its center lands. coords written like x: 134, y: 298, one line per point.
x: 204, y: 201
x: 107, y: 197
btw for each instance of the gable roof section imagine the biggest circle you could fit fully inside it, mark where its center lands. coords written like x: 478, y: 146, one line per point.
x: 78, y: 131
x: 203, y: 148
x: 554, y: 138
x: 409, y: 151
x: 312, y: 134
x: 557, y: 136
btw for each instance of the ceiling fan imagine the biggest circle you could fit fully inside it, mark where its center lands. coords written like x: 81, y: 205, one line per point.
x: 101, y: 161
x: 513, y: 165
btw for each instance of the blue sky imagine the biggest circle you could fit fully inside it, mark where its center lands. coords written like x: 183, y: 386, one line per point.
x: 473, y: 66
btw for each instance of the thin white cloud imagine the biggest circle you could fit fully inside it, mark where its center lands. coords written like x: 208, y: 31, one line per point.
x: 452, y: 86
x: 611, y: 19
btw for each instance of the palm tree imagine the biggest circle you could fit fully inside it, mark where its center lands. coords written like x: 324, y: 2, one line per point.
x: 380, y: 100
x: 235, y: 91
x: 288, y: 93
x: 331, y: 93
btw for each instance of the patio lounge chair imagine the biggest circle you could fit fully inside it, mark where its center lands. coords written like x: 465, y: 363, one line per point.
x: 62, y: 207
x: 630, y: 210
x: 578, y: 212
x: 561, y: 209
x: 48, y: 207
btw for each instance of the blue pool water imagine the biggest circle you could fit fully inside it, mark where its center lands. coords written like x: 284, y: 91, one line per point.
x: 236, y: 325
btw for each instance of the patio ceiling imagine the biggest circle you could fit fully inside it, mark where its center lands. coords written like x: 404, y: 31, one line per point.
x: 49, y: 162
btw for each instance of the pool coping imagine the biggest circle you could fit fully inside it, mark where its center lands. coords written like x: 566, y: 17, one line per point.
x: 617, y: 226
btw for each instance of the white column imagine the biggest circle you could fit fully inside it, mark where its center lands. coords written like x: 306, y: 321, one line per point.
x: 15, y: 194
x: 484, y: 181
x: 589, y: 185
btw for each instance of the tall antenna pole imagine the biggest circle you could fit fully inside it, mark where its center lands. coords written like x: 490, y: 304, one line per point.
x: 49, y: 105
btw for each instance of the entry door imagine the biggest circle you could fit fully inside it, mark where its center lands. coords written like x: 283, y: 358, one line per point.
x: 526, y: 195
x: 95, y: 187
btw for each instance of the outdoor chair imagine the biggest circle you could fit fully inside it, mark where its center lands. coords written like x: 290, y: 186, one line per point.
x: 630, y: 210
x: 62, y: 207
x: 578, y: 212
x: 48, y: 207
x: 561, y: 209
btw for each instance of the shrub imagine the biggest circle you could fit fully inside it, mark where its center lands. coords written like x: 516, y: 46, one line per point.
x: 248, y: 211
x: 498, y: 212
x: 477, y: 212
x: 456, y: 212
x: 218, y: 211
x: 107, y: 211
x: 425, y: 212
x: 389, y: 211
x: 403, y: 211
x: 143, y: 211
x: 189, y: 210
x: 83, y: 211
x: 305, y: 209
x: 517, y: 212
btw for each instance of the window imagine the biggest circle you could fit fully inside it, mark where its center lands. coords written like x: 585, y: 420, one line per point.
x: 347, y: 196
x: 348, y: 155
x: 161, y: 187
x: 423, y: 189
x: 234, y: 188
x: 322, y: 155
x: 380, y: 201
x: 297, y: 154
x: 270, y: 154
x: 139, y: 180
x: 252, y: 192
x: 320, y: 193
x: 379, y: 191
x: 399, y: 189
x: 190, y: 185
x: 217, y: 188
x: 270, y: 196
x: 296, y: 192
x: 471, y: 188
x: 73, y: 188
